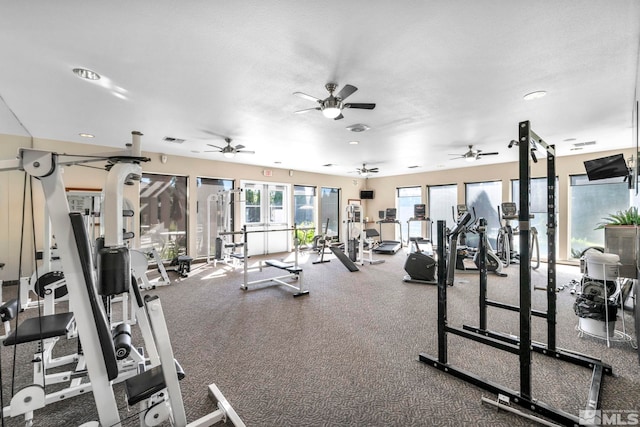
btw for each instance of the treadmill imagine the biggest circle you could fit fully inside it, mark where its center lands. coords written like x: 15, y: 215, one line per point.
x: 388, y: 247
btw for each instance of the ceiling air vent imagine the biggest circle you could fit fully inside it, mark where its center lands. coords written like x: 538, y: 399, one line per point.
x: 358, y: 128
x: 413, y: 167
x: 584, y: 144
x: 328, y: 165
x: 173, y: 140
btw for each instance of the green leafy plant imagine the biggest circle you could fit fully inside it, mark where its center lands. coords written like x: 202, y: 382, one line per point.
x: 626, y: 217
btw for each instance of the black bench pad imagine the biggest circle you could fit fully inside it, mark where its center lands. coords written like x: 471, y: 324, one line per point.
x: 144, y: 385
x: 283, y: 265
x: 34, y: 329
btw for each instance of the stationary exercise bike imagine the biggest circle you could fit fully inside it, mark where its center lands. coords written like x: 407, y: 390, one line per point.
x: 505, y: 247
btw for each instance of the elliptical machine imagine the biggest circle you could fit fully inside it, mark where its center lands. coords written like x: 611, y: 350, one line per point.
x: 421, y: 266
x: 459, y: 251
x: 505, y: 246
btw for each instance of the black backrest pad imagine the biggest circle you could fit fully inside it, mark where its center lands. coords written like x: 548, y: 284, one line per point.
x: 104, y: 333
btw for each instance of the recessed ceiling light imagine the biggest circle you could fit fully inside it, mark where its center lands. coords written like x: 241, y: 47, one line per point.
x: 354, y: 142
x: 535, y: 95
x: 86, y: 135
x: 85, y: 73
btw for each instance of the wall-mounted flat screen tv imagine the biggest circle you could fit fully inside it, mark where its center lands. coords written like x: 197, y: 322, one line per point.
x: 366, y: 194
x: 606, y: 167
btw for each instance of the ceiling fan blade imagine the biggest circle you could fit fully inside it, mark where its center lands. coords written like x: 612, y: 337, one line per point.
x: 214, y: 146
x: 239, y: 147
x: 306, y: 110
x: 346, y: 91
x: 339, y: 117
x: 488, y: 154
x: 245, y: 151
x: 305, y: 96
x: 373, y: 170
x: 459, y: 157
x: 364, y: 106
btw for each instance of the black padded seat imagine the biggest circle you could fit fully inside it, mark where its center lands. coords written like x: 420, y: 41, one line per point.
x: 284, y: 266
x: 278, y: 264
x: 144, y: 385
x: 37, y: 328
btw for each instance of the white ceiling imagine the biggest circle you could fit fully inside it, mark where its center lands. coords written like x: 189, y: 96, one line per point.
x: 444, y: 74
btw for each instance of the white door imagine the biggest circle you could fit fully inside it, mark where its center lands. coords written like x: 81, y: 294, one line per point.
x: 265, y: 214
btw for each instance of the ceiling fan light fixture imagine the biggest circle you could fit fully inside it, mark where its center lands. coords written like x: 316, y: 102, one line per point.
x: 331, y: 108
x: 229, y: 154
x: 85, y: 73
x: 470, y: 159
x: 331, y: 112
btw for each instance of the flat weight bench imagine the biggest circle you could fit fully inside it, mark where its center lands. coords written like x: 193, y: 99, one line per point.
x: 294, y: 272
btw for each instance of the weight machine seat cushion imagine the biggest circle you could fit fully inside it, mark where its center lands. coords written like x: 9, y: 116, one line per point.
x: 36, y: 328
x: 144, y: 385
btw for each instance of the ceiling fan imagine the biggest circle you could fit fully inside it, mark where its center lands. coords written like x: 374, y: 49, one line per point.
x: 364, y: 171
x: 229, y: 151
x: 473, y: 155
x: 332, y: 105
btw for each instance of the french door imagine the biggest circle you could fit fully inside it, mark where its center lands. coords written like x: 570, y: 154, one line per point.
x: 265, y: 213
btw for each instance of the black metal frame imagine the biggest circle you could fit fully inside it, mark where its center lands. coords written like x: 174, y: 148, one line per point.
x: 522, y: 345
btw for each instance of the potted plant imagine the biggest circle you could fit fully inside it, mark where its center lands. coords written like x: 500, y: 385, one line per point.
x: 621, y: 232
x: 626, y: 217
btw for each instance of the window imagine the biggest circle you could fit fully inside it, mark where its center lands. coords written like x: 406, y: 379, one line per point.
x: 442, y: 198
x: 214, y: 212
x: 330, y: 210
x: 163, y: 214
x: 252, y: 211
x: 537, y: 208
x: 277, y: 215
x: 407, y: 197
x: 483, y: 198
x: 304, y: 208
x: 590, y: 202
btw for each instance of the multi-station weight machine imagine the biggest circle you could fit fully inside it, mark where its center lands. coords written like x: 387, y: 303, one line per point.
x: 152, y: 384
x: 521, y: 345
x: 218, y: 228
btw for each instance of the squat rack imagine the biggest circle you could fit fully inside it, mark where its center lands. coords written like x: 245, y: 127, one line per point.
x: 522, y: 345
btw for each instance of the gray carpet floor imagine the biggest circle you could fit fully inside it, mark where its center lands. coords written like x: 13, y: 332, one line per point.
x: 347, y: 353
